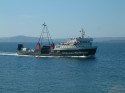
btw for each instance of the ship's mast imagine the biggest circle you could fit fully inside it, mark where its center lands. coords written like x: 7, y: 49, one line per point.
x: 82, y: 33
x: 45, y: 35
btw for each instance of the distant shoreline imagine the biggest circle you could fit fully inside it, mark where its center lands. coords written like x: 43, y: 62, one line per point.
x: 35, y: 39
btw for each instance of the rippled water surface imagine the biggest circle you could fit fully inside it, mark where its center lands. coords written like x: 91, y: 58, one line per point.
x: 25, y: 74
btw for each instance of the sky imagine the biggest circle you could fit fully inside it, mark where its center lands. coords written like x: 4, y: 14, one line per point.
x: 64, y: 18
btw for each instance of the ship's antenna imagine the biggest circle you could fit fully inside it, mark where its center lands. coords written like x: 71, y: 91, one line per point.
x: 83, y: 33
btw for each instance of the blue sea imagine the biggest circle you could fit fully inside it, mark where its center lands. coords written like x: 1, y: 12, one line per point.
x: 26, y: 74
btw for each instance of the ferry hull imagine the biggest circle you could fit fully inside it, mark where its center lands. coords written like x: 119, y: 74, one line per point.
x: 79, y: 52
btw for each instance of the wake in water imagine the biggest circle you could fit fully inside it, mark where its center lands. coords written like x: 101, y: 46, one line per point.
x: 15, y: 54
x: 10, y: 54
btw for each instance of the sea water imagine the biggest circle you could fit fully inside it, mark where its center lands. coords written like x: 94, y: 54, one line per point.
x: 27, y: 74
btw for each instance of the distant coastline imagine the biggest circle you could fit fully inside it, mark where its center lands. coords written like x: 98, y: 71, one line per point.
x: 25, y: 39
x: 35, y: 39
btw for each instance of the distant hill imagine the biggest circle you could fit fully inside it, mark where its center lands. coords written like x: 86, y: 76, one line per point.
x: 19, y: 39
x: 26, y: 39
x: 35, y: 39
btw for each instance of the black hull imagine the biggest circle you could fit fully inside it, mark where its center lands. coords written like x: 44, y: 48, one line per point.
x: 79, y: 52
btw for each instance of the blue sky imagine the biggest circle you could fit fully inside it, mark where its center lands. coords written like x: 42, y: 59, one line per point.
x: 65, y: 18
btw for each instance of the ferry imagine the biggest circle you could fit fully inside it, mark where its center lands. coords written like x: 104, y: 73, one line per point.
x: 80, y: 46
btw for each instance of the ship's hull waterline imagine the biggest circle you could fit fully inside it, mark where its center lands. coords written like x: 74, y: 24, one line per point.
x: 79, y: 52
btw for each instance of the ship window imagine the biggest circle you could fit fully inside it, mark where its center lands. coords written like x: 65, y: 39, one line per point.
x: 57, y: 46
